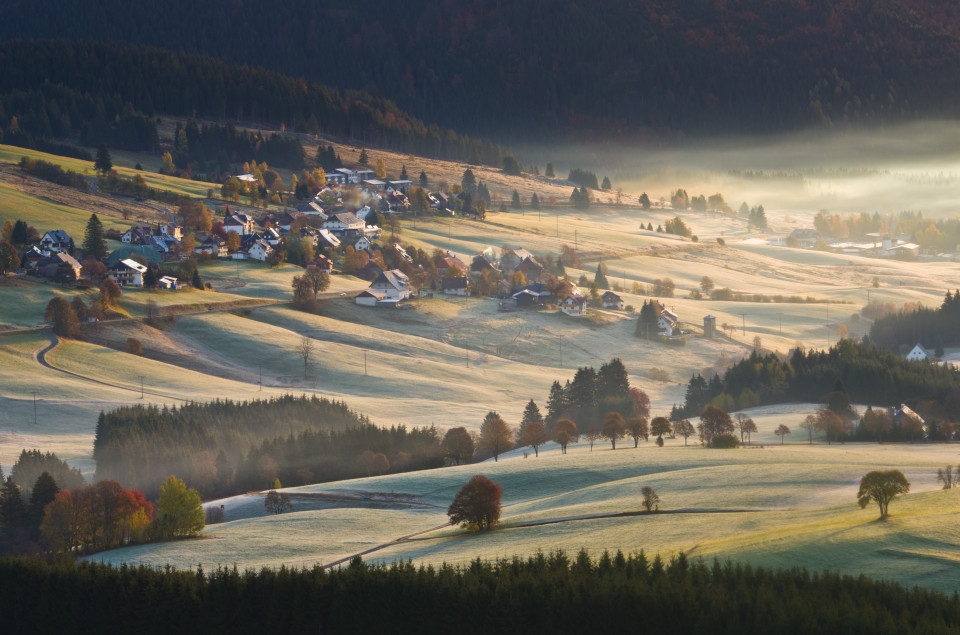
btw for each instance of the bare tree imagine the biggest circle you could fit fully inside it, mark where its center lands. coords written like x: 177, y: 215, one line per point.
x: 277, y: 502
x: 684, y: 428
x: 651, y: 502
x: 782, y: 431
x: 948, y: 478
x: 305, y: 350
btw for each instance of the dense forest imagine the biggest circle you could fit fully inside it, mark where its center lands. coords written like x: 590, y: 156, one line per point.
x: 542, y: 594
x: 111, y: 93
x: 931, y: 328
x: 532, y: 67
x: 226, y: 447
x: 871, y: 375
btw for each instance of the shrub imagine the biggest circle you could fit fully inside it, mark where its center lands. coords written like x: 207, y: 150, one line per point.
x: 134, y: 346
x: 725, y: 441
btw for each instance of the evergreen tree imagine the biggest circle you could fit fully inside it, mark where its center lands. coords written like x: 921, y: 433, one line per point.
x: 600, y: 278
x: 20, y: 234
x: 515, y: 200
x: 195, y: 280
x: 612, y: 380
x: 548, y: 172
x: 44, y: 489
x: 606, y: 185
x: 531, y: 413
x: 94, y: 243
x: 424, y: 182
x: 150, y: 278
x: 645, y: 201
x: 556, y: 404
x: 469, y: 182
x: 403, y: 173
x: 364, y: 159
x: 104, y: 163
x: 535, y: 202
x: 583, y: 389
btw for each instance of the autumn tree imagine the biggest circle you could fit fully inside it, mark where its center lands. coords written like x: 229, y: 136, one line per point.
x: 305, y: 351
x: 614, y: 428
x: 476, y: 505
x: 458, y: 445
x: 592, y: 435
x: 651, y: 502
x: 304, y: 297
x: 810, y: 425
x: 495, y: 435
x: 882, y: 487
x: 876, y: 422
x: 637, y: 428
x: 565, y: 432
x: 62, y: 316
x: 746, y: 426
x: 319, y: 280
x: 684, y: 428
x: 659, y: 427
x: 277, y: 502
x: 706, y: 285
x: 782, y: 431
x: 714, y: 422
x: 381, y: 169
x: 534, y: 435
x: 830, y: 424
x: 109, y: 292
x: 179, y: 510
x: 9, y: 258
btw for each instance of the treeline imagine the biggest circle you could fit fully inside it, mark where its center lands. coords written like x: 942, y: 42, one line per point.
x: 592, y: 394
x: 929, y: 233
x: 870, y: 375
x: 213, y: 150
x: 54, y: 173
x: 571, y: 594
x: 614, y: 67
x: 111, y: 93
x: 931, y: 328
x: 225, y: 447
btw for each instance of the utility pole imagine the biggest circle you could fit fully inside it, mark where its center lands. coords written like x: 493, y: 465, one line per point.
x: 780, y: 316
x: 561, y: 351
x: 34, y: 407
x: 364, y: 363
x: 260, y: 381
x: 575, y: 245
x: 558, y: 225
x: 743, y: 318
x: 141, y: 386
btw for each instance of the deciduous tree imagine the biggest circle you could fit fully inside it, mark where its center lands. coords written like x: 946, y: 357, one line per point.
x: 714, y: 422
x: 277, y: 502
x: 495, y: 435
x: 534, y: 435
x: 614, y: 428
x: 660, y: 426
x: 565, y: 432
x: 179, y: 510
x: 638, y: 429
x: 458, y: 445
x: 782, y: 431
x: 684, y: 428
x: 476, y: 505
x: 651, y: 502
x: 881, y: 487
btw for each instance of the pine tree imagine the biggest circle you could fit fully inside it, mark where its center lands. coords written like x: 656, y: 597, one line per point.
x: 535, y: 202
x: 196, y: 281
x: 94, y: 243
x: 612, y: 380
x: 645, y: 201
x: 531, y: 413
x: 424, y: 182
x: 515, y: 200
x: 548, y: 172
x: 600, y: 278
x: 469, y: 182
x: 104, y: 163
x: 44, y: 489
x: 364, y: 159
x: 606, y: 185
x: 403, y: 173
x: 556, y: 404
x: 20, y: 234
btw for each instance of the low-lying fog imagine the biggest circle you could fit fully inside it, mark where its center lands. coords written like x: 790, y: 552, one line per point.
x: 912, y: 167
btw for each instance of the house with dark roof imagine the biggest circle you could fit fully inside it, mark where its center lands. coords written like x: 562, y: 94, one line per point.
x: 574, y: 305
x: 56, y: 240
x: 457, y: 285
x: 51, y: 266
x: 138, y: 235
x: 480, y: 264
x: 240, y: 223
x: 213, y: 245
x: 450, y: 261
x: 344, y: 224
x: 611, y: 300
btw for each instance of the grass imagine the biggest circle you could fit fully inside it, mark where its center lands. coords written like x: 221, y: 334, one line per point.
x: 46, y: 215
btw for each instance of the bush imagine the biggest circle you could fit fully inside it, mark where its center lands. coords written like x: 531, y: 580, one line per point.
x: 134, y: 346
x: 725, y: 441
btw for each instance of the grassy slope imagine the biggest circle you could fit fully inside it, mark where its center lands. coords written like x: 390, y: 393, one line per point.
x: 46, y: 215
x: 790, y: 505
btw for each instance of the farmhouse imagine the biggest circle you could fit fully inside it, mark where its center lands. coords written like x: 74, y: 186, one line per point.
x: 240, y: 223
x: 128, y: 273
x: 458, y: 285
x: 213, y: 245
x: 51, y: 266
x: 448, y: 262
x: 362, y: 243
x: 344, y: 224
x: 668, y: 322
x: 257, y: 249
x: 805, y: 238
x: 56, y: 240
x: 322, y: 263
x: 575, y: 305
x: 611, y: 300
x: 137, y: 235
x: 480, y: 264
x: 388, y: 289
x: 917, y: 354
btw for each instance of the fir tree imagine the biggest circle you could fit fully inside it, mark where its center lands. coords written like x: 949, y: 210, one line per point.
x: 515, y: 200
x: 104, y: 163
x: 531, y: 413
x: 548, y: 172
x: 364, y: 159
x: 94, y: 243
x: 535, y: 202
x: 600, y: 278
x: 424, y: 182
x: 606, y: 185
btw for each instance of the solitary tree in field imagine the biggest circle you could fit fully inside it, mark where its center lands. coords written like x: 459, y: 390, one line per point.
x: 613, y: 428
x: 714, y: 422
x: 637, y: 427
x: 644, y: 201
x: 651, y: 502
x: 477, y: 504
x: 304, y: 351
x: 781, y: 431
x: 948, y: 478
x: 495, y: 435
x: 809, y: 424
x: 277, y: 502
x: 458, y: 445
x: 534, y: 435
x: 881, y: 488
x: 684, y: 428
x: 706, y: 285
x: 565, y: 432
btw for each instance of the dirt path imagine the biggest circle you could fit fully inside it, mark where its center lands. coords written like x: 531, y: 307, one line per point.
x: 40, y: 356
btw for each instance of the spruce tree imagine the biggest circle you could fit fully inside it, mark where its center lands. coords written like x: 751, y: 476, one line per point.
x: 600, y: 278
x: 20, y: 233
x: 548, y: 172
x: 606, y: 184
x: 403, y: 173
x: 424, y: 182
x: 515, y: 200
x: 44, y: 490
x: 364, y: 159
x: 530, y: 414
x: 556, y: 404
x: 104, y: 163
x: 535, y: 202
x: 94, y: 243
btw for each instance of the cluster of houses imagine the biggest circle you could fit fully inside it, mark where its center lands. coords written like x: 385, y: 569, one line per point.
x: 876, y: 245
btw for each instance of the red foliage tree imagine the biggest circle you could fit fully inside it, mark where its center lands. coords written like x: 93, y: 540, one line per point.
x: 477, y: 504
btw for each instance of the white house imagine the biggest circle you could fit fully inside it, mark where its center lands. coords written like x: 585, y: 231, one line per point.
x: 388, y: 289
x: 667, y: 322
x: 344, y: 223
x: 137, y: 235
x: 240, y: 223
x: 128, y: 273
x: 918, y: 354
x: 168, y: 282
x: 362, y: 243
x: 575, y: 305
x: 56, y: 241
x: 213, y: 245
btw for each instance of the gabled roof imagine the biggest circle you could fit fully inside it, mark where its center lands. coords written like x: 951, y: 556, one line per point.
x: 575, y: 299
x: 347, y: 218
x: 610, y: 295
x: 394, y: 277
x: 126, y: 263
x: 58, y: 236
x: 459, y: 282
